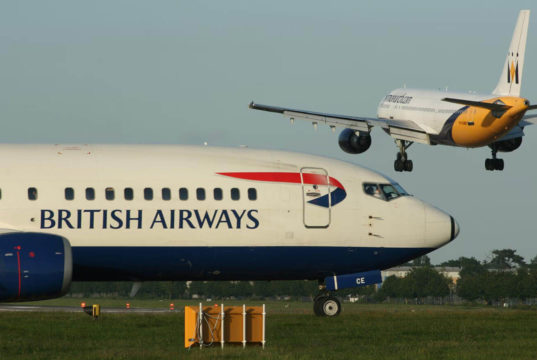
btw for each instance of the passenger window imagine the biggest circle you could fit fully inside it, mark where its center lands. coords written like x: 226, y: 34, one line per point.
x: 373, y: 190
x: 69, y: 193
x: 166, y: 194
x: 183, y: 194
x: 109, y: 193
x: 218, y: 194
x: 235, y: 194
x: 148, y: 194
x: 128, y: 193
x: 90, y: 193
x: 32, y: 193
x: 200, y: 193
x: 252, y: 194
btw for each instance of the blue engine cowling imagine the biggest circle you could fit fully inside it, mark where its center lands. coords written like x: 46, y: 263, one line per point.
x: 34, y: 266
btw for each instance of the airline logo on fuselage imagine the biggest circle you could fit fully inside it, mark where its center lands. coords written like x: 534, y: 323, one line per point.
x: 337, y: 191
x: 116, y: 219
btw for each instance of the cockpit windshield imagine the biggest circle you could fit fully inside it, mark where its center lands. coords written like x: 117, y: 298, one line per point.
x: 385, y: 191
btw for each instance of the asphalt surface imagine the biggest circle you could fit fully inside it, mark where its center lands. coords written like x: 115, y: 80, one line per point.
x: 33, y: 308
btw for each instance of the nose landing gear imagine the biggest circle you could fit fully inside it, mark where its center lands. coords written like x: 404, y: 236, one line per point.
x: 494, y: 163
x: 325, y: 304
x: 402, y: 163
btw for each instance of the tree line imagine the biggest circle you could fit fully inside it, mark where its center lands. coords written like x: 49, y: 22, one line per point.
x: 505, y: 275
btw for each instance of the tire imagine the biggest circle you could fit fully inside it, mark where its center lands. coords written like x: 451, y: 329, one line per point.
x: 408, y: 165
x: 398, y: 165
x: 489, y: 164
x: 499, y: 164
x: 330, y: 306
x: 317, y: 305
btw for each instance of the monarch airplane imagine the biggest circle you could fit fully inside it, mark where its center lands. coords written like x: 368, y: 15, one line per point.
x: 140, y: 213
x: 439, y: 117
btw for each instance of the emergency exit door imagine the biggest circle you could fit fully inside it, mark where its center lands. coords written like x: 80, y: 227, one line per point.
x: 316, y: 197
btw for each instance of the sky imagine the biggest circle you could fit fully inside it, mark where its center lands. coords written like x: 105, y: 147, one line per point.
x: 183, y: 72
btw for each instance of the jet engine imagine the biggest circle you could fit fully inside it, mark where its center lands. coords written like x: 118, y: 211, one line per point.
x: 34, y: 266
x: 352, y: 143
x: 506, y: 145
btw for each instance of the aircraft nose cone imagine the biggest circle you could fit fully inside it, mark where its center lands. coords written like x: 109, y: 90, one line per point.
x: 441, y: 227
x: 454, y: 228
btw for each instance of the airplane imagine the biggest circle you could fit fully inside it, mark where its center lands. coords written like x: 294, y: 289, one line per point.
x: 437, y: 117
x: 155, y: 212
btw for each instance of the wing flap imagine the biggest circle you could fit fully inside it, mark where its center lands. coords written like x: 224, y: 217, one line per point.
x: 399, y: 129
x: 409, y: 135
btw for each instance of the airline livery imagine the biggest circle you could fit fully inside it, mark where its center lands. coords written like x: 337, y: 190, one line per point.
x: 438, y: 117
x: 139, y: 213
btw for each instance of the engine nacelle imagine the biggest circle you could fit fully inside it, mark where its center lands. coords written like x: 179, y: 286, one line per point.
x: 352, y: 143
x: 507, y: 145
x: 34, y: 266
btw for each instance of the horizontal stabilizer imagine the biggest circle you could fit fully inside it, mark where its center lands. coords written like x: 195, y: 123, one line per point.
x: 481, y: 104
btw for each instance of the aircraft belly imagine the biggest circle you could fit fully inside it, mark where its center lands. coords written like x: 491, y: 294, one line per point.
x: 231, y: 263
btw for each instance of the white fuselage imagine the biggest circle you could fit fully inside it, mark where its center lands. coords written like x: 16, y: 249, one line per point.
x: 255, y: 220
x: 424, y: 107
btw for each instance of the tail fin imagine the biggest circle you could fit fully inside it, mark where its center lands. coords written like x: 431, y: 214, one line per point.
x: 511, y: 76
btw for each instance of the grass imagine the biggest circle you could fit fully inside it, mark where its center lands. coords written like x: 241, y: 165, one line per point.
x: 360, y: 332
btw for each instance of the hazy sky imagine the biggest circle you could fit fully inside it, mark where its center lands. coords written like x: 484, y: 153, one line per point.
x: 184, y: 72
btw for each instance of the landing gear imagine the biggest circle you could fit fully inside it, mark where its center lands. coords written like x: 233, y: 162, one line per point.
x: 494, y: 163
x: 402, y: 163
x: 326, y: 305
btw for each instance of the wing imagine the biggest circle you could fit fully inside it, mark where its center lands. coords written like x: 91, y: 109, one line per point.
x: 398, y: 129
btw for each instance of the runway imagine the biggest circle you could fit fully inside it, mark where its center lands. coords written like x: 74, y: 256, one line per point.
x: 33, y: 308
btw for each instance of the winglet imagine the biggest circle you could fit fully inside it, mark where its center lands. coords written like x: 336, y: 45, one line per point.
x: 511, y: 76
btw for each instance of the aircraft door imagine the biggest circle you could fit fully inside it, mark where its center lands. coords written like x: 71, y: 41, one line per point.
x: 316, y: 197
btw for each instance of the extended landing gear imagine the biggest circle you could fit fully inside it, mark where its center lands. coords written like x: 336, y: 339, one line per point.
x: 494, y: 163
x: 402, y: 163
x: 325, y: 304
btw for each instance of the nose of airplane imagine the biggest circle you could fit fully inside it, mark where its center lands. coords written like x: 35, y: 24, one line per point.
x: 440, y: 227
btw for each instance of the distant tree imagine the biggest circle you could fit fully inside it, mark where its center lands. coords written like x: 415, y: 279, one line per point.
x: 423, y: 260
x: 505, y: 259
x: 425, y: 281
x: 451, y: 263
x: 470, y: 266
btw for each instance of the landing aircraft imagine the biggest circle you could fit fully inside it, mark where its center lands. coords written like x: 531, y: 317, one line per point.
x: 140, y: 213
x: 437, y: 117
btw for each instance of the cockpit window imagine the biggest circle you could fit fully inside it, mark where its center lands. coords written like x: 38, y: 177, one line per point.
x: 384, y: 191
x: 373, y: 190
x: 400, y: 189
x: 389, y: 191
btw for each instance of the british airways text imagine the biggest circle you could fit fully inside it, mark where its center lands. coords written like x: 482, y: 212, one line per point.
x: 139, y: 219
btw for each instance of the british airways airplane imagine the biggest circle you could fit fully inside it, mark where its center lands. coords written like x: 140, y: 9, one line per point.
x: 140, y: 213
x: 436, y: 117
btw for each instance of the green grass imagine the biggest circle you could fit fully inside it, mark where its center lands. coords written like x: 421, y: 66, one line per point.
x: 360, y: 332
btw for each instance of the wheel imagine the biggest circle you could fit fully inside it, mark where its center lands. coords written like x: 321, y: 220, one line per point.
x: 331, y: 306
x: 317, y: 305
x: 489, y: 164
x: 408, y: 165
x: 499, y: 164
x: 398, y: 165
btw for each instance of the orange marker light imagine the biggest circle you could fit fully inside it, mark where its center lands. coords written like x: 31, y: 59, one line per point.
x: 82, y: 304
